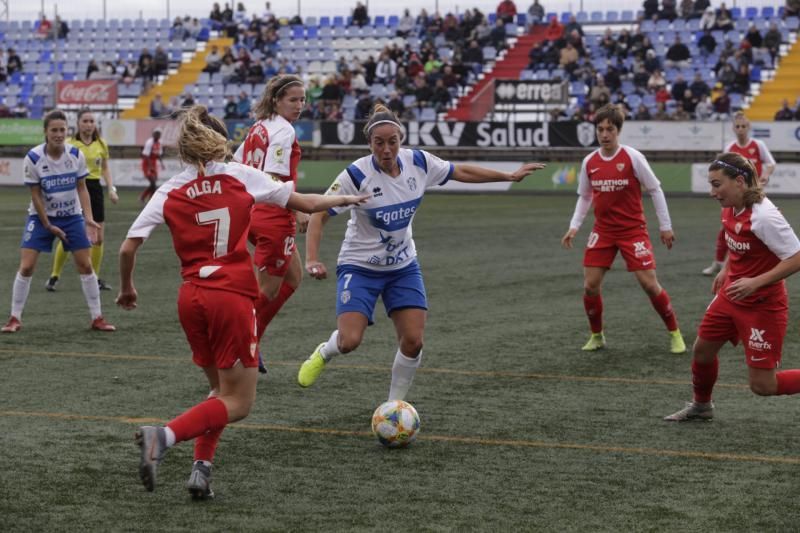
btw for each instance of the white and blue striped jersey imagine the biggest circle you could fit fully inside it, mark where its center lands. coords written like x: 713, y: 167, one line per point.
x: 57, y: 178
x: 378, y: 233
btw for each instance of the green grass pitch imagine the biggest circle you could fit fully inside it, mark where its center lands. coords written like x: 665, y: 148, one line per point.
x: 521, y: 431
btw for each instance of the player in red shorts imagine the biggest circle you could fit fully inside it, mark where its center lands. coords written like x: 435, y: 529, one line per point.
x: 271, y: 146
x: 207, y: 208
x: 758, y: 154
x: 612, y: 179
x: 750, y: 303
x: 152, y: 154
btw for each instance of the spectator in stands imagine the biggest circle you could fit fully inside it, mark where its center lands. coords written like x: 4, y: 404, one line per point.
x: 642, y: 113
x: 699, y: 87
x: 160, y: 61
x: 573, y: 25
x: 20, y: 110
x: 158, y: 109
x: 506, y: 11
x: 656, y: 81
x: 145, y: 57
x: 385, y: 72
x: 785, y: 112
x: 422, y: 91
x: 473, y: 56
x: 227, y: 70
x: 193, y: 27
x: 678, y: 54
x: 402, y: 82
x: 44, y: 30
x: 689, y: 100
x: 687, y: 9
x: 363, y: 107
x: 216, y: 13
x: 704, y: 109
x: 792, y: 8
x: 188, y: 100
x: 772, y: 42
x: 13, y: 62
x: 678, y: 88
x: 721, y: 103
x: 568, y: 58
x: 600, y: 94
x: 554, y: 30
x: 243, y: 106
x: 700, y: 7
x: 369, y: 67
x: 61, y: 28
x: 432, y: 64
x: 708, y: 21
x: 680, y: 113
x: 91, y: 69
x: 257, y: 71
x: 227, y: 13
x: 441, y: 96
x: 5, y: 112
x: 497, y: 37
x: 640, y: 76
x: 662, y: 95
x: 3, y: 71
x: 231, y: 109
x: 535, y: 12
x: 406, y: 24
x: 661, y: 113
x: 213, y: 60
x: 640, y: 48
x: 395, y: 104
x: 707, y: 44
x: 177, y: 31
x: 724, y: 20
x: 753, y: 36
x: 360, y: 16
x: 668, y: 11
x: 741, y: 84
x: 650, y: 8
x: 652, y: 61
x: 145, y: 69
x: 331, y: 92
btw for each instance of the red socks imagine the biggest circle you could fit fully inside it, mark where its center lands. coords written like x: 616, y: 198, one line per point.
x: 722, y: 247
x: 788, y: 381
x: 663, y: 306
x: 267, y: 309
x: 206, y: 444
x: 594, y: 311
x: 703, y: 379
x: 208, y: 416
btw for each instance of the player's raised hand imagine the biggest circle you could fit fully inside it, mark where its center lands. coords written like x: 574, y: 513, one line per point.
x: 566, y: 240
x: 126, y: 299
x: 668, y: 237
x: 316, y: 269
x: 525, y: 170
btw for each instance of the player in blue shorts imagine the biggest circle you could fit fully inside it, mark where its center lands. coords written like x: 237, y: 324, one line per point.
x: 378, y: 257
x: 60, y: 208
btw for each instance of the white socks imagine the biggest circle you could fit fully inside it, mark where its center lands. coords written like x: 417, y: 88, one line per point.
x: 403, y: 371
x: 92, y: 294
x: 170, y: 436
x: 331, y: 347
x: 22, y: 286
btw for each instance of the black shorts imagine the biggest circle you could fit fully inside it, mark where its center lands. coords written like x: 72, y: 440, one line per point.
x: 95, y: 189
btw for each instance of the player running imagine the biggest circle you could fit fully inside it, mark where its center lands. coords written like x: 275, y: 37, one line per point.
x: 611, y: 180
x: 207, y: 209
x: 757, y: 153
x: 378, y: 256
x: 750, y: 303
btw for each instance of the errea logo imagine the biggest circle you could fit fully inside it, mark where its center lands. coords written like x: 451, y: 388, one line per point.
x: 756, y: 341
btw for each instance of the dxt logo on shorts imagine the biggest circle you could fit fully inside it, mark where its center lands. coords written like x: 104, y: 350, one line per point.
x: 756, y: 341
x: 640, y: 249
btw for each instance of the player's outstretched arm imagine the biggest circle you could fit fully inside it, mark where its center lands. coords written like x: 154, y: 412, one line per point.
x: 314, y: 203
x: 744, y: 287
x: 315, y: 268
x: 127, y: 261
x: 476, y: 174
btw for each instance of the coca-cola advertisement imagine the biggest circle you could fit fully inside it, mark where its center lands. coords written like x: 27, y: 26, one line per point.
x: 89, y: 92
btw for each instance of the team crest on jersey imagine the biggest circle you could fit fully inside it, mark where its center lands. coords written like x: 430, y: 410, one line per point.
x: 68, y: 163
x: 345, y: 297
x: 279, y: 263
x: 377, y: 192
x: 279, y: 154
x: 738, y: 227
x: 333, y: 188
x: 751, y: 150
x: 412, y: 183
x: 620, y: 166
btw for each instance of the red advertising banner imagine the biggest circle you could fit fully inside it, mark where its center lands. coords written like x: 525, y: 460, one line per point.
x: 89, y: 92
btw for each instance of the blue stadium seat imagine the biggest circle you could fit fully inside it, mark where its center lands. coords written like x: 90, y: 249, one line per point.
x: 522, y: 19
x: 311, y: 21
x: 596, y: 16
x: 393, y: 21
x: 380, y: 20
x: 736, y: 13
x: 612, y: 16
x: 324, y: 22
x: 491, y: 18
x: 751, y: 13
x: 565, y: 17
x: 582, y: 17
x: 338, y: 22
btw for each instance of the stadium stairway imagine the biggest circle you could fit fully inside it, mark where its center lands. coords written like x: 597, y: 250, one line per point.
x: 188, y: 73
x: 469, y: 106
x: 783, y: 86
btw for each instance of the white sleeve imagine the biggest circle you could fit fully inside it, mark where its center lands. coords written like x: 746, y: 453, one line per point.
x: 279, y: 152
x: 82, y: 170
x: 238, y: 156
x: 771, y: 227
x: 31, y: 175
x: 764, y: 153
x: 264, y: 188
x: 341, y: 186
x: 148, y: 147
x: 645, y: 175
x: 584, y: 198
x: 438, y: 171
x: 150, y: 217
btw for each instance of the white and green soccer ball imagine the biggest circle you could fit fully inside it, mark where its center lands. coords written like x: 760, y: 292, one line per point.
x: 395, y: 423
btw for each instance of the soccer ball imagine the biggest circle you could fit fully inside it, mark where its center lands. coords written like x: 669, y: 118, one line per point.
x: 395, y: 423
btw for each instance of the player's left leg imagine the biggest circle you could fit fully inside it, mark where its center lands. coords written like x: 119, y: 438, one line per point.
x: 21, y: 289
x: 663, y: 305
x: 97, y: 257
x: 205, y: 446
x: 705, y: 369
x: 410, y: 326
x: 91, y: 291
x: 59, y: 260
x: 593, y: 305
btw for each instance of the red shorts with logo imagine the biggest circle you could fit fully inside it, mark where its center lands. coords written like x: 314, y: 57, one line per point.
x: 219, y: 325
x: 635, y: 247
x: 274, y: 242
x: 760, y: 328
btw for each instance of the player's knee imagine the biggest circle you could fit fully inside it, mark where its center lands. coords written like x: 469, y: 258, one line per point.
x: 26, y: 271
x: 270, y: 292
x: 762, y: 388
x: 411, y: 347
x: 590, y: 289
x: 347, y: 342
